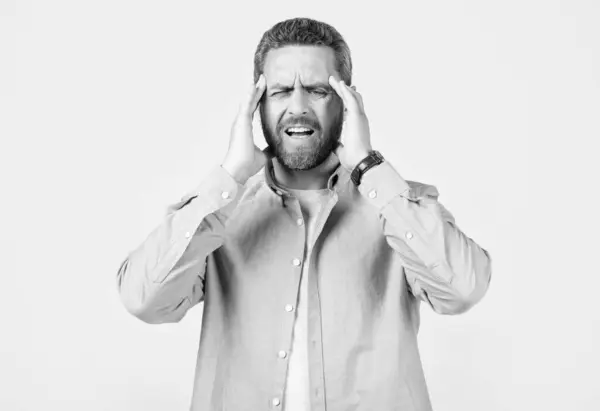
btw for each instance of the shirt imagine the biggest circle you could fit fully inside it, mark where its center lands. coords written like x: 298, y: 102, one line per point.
x: 297, y: 385
x: 381, y: 248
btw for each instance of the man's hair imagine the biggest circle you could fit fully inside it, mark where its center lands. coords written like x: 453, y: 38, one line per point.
x: 304, y: 32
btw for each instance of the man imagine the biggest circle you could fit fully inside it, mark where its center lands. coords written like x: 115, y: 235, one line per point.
x: 312, y: 256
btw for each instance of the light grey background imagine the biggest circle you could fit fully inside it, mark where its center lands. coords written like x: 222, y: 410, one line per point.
x: 111, y: 110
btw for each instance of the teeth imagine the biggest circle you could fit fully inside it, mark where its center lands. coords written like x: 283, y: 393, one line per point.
x: 298, y: 130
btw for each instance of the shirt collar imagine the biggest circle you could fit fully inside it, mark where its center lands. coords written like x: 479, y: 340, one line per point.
x: 338, y: 178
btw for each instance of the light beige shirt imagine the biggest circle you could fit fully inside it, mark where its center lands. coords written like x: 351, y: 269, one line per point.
x: 381, y: 248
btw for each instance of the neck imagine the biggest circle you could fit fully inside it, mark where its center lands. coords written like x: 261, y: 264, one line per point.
x: 313, y: 179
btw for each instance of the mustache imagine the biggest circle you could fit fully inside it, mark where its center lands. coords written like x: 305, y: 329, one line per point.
x: 300, y: 121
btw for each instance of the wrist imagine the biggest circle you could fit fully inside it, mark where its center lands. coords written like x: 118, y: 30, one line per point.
x: 359, y: 158
x: 372, y: 159
x: 234, y: 172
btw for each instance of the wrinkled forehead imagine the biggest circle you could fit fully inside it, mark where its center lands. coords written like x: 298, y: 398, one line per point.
x: 308, y: 64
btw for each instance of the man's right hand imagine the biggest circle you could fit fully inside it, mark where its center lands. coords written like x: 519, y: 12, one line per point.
x: 244, y: 158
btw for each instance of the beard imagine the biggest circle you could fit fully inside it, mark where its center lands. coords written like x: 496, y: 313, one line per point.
x: 313, y: 152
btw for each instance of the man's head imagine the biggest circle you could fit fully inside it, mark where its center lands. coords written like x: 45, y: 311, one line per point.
x: 297, y: 57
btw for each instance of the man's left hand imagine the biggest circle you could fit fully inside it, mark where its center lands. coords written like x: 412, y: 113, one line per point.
x: 356, y: 134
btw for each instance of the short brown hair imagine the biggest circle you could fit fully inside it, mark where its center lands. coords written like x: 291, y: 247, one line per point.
x: 304, y: 32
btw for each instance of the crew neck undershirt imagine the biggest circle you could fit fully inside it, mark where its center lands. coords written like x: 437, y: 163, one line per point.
x: 297, y: 387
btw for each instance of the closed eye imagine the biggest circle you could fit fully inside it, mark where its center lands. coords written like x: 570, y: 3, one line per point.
x: 320, y: 93
x: 280, y: 92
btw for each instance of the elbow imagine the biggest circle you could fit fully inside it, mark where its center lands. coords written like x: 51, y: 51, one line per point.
x: 150, y: 313
x: 466, y: 291
x: 141, y: 311
x: 138, y: 306
x: 141, y: 302
x: 455, y: 304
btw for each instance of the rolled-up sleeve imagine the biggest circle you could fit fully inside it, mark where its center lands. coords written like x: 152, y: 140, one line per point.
x: 443, y: 266
x: 163, y: 277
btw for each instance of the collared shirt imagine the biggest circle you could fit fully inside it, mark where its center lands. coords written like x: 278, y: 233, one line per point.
x: 381, y: 248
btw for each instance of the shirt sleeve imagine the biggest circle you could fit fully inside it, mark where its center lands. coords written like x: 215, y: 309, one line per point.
x: 163, y: 277
x: 443, y: 267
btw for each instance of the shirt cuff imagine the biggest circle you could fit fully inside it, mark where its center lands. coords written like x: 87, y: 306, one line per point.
x: 382, y: 183
x: 218, y: 191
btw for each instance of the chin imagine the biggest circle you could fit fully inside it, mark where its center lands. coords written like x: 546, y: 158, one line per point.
x: 301, y: 161
x: 299, y: 158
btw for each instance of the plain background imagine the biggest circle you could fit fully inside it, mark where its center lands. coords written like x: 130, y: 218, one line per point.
x: 111, y: 110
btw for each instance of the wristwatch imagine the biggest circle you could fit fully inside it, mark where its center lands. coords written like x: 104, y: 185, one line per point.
x: 374, y: 158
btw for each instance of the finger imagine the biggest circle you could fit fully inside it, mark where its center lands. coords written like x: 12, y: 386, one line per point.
x: 338, y: 149
x: 253, y: 95
x: 261, y: 86
x: 358, y: 97
x: 354, y: 99
x: 338, y: 89
x: 344, y: 92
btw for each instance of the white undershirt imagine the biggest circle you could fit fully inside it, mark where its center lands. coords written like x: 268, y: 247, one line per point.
x: 297, y: 387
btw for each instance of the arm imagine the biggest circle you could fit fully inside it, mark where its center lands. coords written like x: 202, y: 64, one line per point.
x: 164, y: 277
x: 443, y: 266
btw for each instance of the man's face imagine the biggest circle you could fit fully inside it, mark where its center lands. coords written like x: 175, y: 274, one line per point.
x: 301, y: 115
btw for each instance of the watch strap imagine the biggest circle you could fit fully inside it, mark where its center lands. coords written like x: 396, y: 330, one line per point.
x: 374, y: 158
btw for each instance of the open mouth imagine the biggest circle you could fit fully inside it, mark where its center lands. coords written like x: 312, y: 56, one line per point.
x: 299, y: 131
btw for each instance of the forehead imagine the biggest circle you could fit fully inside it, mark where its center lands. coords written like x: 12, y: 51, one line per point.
x: 310, y: 63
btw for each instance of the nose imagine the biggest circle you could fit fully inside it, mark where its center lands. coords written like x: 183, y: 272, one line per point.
x: 298, y: 103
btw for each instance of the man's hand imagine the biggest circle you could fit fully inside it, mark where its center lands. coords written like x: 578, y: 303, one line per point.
x: 356, y: 134
x: 244, y: 158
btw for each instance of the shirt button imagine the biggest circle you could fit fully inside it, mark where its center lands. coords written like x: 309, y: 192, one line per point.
x: 409, y: 235
x: 282, y: 354
x: 289, y: 308
x: 373, y: 194
x: 299, y: 221
x: 276, y: 401
x: 225, y: 195
x: 296, y: 262
x: 187, y: 234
